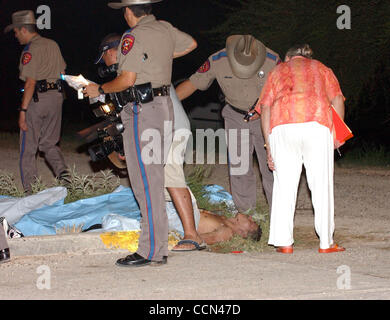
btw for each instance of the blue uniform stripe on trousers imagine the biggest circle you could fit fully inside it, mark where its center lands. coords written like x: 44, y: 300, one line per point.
x: 21, y: 155
x: 149, y: 210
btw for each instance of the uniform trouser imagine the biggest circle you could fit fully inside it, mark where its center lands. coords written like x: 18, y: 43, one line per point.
x: 291, y: 146
x: 3, y: 239
x: 146, y: 142
x: 43, y: 120
x: 243, y: 181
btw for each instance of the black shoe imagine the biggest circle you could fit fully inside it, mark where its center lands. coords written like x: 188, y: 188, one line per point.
x: 134, y: 260
x: 4, y: 255
x: 159, y: 263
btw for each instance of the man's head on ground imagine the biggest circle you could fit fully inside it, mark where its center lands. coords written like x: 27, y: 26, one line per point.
x: 244, y: 226
x: 108, y: 49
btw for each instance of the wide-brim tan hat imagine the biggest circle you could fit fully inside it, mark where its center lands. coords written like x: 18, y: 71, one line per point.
x: 125, y: 3
x: 21, y: 18
x: 246, y: 55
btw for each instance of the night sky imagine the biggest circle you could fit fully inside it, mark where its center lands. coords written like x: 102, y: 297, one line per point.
x: 79, y: 25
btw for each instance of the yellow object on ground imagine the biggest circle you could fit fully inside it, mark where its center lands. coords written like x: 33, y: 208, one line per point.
x: 129, y: 240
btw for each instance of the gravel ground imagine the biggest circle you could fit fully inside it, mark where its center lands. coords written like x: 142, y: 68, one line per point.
x: 362, y: 208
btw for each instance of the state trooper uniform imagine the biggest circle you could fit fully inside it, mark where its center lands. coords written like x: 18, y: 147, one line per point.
x: 147, y: 49
x: 241, y: 84
x: 42, y: 61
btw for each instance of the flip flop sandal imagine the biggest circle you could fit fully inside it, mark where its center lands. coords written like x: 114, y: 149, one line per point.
x: 198, y: 246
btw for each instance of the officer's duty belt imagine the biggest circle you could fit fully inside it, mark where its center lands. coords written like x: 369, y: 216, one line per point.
x: 142, y: 93
x: 162, y: 91
x: 238, y: 110
x: 44, y: 85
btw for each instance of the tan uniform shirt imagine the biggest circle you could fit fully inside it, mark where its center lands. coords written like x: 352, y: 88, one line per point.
x: 147, y: 49
x: 240, y: 93
x: 41, y: 59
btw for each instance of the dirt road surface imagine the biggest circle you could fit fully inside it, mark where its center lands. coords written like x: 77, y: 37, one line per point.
x: 362, y: 208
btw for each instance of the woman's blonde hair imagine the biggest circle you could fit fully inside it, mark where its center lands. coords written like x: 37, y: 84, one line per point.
x: 303, y: 50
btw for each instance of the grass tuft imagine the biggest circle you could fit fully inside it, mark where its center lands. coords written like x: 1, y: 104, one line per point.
x: 83, y: 186
x: 79, y: 186
x: 368, y: 155
x: 8, y: 186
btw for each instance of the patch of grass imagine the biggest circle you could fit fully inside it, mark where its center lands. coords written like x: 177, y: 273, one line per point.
x: 368, y: 155
x: 83, y: 186
x: 195, y: 183
x: 8, y: 186
x: 79, y: 186
x: 238, y: 243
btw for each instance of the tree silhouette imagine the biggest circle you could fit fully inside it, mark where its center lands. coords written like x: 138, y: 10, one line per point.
x: 358, y: 56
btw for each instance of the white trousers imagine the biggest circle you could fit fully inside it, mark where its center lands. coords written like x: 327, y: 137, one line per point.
x: 292, y: 145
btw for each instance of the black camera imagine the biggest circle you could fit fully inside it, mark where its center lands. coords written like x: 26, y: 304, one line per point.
x: 108, y: 133
x: 108, y: 143
x: 105, y: 71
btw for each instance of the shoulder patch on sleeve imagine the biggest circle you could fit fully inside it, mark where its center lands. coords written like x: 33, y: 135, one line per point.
x: 127, y: 44
x: 271, y: 56
x: 219, y: 56
x: 205, y: 67
x: 26, y: 58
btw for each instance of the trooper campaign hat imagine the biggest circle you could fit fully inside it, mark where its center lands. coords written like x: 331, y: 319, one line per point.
x: 246, y: 55
x: 21, y: 18
x: 125, y: 3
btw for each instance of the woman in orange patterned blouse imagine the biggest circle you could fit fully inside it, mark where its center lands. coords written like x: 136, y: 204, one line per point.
x: 298, y: 129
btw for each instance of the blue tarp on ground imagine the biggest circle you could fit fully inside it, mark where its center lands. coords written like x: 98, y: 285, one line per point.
x: 88, y: 212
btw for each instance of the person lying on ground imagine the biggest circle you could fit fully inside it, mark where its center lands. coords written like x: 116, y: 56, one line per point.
x: 214, y: 228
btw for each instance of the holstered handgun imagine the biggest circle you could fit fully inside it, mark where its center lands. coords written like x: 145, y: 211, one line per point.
x: 142, y: 93
x: 35, y: 95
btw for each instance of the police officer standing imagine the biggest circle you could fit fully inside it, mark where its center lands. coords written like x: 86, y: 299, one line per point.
x: 240, y: 69
x: 40, y: 113
x: 144, y: 75
x: 175, y: 182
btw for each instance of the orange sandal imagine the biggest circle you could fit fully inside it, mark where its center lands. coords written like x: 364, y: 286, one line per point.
x: 287, y: 249
x: 333, y: 248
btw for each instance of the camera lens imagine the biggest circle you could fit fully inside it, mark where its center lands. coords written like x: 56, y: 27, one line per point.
x: 101, y: 151
x: 97, y: 153
x: 104, y: 71
x: 120, y: 127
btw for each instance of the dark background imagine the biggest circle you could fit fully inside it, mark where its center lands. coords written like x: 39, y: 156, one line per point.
x: 360, y: 57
